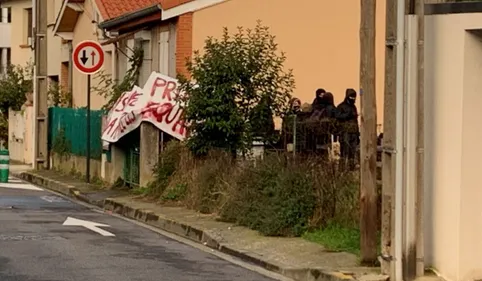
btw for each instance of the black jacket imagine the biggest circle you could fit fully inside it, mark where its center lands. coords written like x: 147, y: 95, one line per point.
x: 347, y: 116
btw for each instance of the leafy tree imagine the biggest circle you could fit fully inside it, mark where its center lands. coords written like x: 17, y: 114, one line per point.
x: 3, y: 131
x: 228, y: 80
x: 14, y: 87
x: 261, y: 120
x: 58, y: 96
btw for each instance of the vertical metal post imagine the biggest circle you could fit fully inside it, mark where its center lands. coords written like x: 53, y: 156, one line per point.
x: 392, y: 158
x: 420, y: 253
x: 71, y: 73
x: 294, y: 136
x: 40, y: 87
x: 162, y: 141
x: 398, y: 208
x: 87, y: 172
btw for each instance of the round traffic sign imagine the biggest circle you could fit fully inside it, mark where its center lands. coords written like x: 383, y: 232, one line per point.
x: 88, y: 57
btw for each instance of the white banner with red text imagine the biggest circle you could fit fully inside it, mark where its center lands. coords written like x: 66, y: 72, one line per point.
x: 155, y: 103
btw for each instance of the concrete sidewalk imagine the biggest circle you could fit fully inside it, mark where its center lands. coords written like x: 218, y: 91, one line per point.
x: 295, y: 258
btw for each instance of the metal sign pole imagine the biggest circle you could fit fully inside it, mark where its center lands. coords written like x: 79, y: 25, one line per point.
x: 87, y: 169
x: 88, y: 51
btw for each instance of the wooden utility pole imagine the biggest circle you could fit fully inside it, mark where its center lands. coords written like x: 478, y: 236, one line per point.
x: 40, y: 87
x: 419, y: 11
x: 368, y: 144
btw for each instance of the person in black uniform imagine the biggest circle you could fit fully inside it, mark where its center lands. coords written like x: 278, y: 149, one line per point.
x: 318, y: 101
x: 349, y: 133
x: 327, y: 118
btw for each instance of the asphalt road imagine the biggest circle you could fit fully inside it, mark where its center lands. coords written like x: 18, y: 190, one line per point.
x: 35, y: 245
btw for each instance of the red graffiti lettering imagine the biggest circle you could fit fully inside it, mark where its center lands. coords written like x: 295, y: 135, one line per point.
x: 119, y: 100
x: 161, y: 111
x: 158, y: 84
x: 111, y: 124
x: 124, y: 121
x: 129, y: 118
x: 133, y: 98
x: 148, y: 110
x: 178, y: 113
x: 180, y: 125
x: 130, y: 100
x: 169, y: 90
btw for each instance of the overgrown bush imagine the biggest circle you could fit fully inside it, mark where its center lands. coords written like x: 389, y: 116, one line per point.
x: 3, y: 131
x: 273, y: 196
x: 61, y: 145
x: 235, y: 87
x: 282, y: 197
x: 210, y: 181
x: 58, y: 97
x: 14, y: 87
x: 165, y: 168
x: 277, y: 196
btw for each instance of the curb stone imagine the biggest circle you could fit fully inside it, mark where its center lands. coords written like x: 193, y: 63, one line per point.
x: 57, y: 186
x: 201, y: 236
x: 186, y: 231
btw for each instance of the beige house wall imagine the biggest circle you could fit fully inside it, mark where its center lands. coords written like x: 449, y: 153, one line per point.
x: 20, y: 143
x: 453, y: 136
x: 21, y: 53
x: 86, y: 30
x: 53, y: 42
x: 20, y: 135
x: 320, y: 38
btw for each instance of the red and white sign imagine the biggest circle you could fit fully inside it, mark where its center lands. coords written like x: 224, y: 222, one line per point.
x: 88, y: 57
x: 155, y: 103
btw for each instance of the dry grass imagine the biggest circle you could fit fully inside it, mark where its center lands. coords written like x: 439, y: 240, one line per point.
x: 276, y: 196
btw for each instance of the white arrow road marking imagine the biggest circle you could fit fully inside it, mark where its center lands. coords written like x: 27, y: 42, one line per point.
x: 53, y: 199
x: 20, y: 185
x: 89, y: 225
x: 14, y: 180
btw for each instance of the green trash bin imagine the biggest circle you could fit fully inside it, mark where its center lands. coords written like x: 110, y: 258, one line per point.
x: 4, y: 165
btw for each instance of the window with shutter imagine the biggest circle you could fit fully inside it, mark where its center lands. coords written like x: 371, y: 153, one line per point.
x: 164, y: 52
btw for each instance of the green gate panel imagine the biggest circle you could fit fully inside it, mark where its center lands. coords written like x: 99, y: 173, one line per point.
x: 131, y: 167
x: 74, y: 123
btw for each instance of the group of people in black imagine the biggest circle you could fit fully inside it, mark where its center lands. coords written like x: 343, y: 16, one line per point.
x: 329, y: 122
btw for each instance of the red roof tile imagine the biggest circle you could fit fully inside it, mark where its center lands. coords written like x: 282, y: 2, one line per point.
x: 168, y: 4
x: 114, y: 8
x: 110, y: 9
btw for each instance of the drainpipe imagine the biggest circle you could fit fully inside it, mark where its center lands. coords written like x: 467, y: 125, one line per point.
x: 71, y: 78
x: 35, y: 94
x: 399, y: 192
x: 419, y: 207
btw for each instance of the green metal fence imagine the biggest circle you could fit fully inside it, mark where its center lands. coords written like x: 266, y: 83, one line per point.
x: 74, y: 123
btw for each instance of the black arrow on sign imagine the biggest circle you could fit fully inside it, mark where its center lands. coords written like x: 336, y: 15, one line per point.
x: 84, y: 57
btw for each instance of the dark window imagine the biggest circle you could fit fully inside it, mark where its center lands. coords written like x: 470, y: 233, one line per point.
x: 9, y: 57
x: 6, y: 15
x: 29, y: 23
